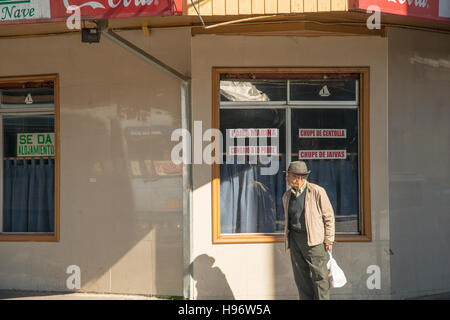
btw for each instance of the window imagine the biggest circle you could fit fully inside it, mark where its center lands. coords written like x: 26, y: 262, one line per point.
x: 318, y: 115
x: 29, y: 114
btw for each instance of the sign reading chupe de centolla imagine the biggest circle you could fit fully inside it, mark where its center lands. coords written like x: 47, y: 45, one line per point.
x: 24, y: 10
x: 35, y: 144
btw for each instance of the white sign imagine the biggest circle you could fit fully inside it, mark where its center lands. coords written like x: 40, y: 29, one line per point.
x: 444, y: 8
x: 252, y: 150
x: 24, y: 10
x: 322, y: 133
x: 417, y: 3
x: 35, y: 144
x: 322, y: 154
x: 252, y: 133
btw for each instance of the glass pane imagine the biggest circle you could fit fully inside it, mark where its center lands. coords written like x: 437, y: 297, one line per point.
x: 28, y: 173
x: 155, y: 179
x: 250, y: 198
x: 332, y: 90
x: 27, y: 95
x: 327, y: 140
x: 253, y: 91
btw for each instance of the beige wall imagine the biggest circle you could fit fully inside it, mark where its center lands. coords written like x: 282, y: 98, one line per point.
x: 254, y: 271
x: 122, y: 229
x: 122, y: 235
x: 419, y: 161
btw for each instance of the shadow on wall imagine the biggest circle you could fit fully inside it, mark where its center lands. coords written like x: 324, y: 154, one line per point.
x: 211, y: 282
x: 121, y: 196
x: 127, y: 191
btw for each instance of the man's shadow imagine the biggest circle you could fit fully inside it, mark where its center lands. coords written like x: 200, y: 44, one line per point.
x: 211, y: 282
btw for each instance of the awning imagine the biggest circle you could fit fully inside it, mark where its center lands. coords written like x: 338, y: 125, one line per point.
x: 33, y: 11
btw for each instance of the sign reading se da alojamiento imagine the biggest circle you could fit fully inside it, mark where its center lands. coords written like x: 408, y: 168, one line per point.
x: 35, y: 144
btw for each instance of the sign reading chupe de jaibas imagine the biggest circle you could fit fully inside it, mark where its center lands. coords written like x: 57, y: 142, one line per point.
x: 35, y: 144
x: 24, y: 10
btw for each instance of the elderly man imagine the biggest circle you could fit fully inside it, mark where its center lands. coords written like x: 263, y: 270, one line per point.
x: 309, y: 232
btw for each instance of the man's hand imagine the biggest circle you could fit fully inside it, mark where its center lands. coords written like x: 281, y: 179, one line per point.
x: 328, y: 247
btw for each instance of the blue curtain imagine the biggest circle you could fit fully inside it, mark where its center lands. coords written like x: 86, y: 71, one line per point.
x: 340, y: 179
x: 28, y: 196
x: 249, y: 201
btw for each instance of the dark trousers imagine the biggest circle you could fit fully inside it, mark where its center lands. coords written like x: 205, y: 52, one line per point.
x: 310, y: 267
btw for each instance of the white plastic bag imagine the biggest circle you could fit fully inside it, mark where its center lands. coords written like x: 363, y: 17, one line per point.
x: 336, y: 276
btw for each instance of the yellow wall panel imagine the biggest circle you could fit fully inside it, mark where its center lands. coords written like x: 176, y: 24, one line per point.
x: 218, y: 7
x: 190, y: 7
x: 205, y: 7
x: 310, y: 5
x: 284, y: 6
x: 245, y: 6
x: 296, y: 6
x: 323, y: 5
x: 232, y: 7
x: 258, y: 6
x: 339, y: 5
x: 270, y: 6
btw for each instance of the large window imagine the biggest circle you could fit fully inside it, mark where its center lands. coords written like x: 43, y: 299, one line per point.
x: 29, y: 174
x: 318, y: 115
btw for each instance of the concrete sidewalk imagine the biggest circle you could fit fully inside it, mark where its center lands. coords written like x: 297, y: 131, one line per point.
x: 440, y: 296
x: 43, y: 295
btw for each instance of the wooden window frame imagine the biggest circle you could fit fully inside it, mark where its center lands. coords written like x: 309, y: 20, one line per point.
x: 37, y: 236
x: 364, y: 159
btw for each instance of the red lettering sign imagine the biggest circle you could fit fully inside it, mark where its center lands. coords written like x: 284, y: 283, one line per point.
x: 322, y: 133
x: 252, y: 133
x: 322, y: 154
x: 36, y: 11
x: 428, y: 9
x: 106, y: 9
x: 252, y: 150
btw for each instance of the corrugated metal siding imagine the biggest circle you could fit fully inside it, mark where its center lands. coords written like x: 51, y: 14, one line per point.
x: 255, y: 7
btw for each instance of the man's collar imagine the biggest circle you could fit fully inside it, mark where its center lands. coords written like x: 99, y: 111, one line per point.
x: 297, y: 193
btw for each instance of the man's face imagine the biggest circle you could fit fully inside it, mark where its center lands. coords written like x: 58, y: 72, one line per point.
x: 295, y: 181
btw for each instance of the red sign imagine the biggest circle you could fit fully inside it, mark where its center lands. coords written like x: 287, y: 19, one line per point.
x: 33, y: 11
x: 106, y: 9
x: 429, y: 9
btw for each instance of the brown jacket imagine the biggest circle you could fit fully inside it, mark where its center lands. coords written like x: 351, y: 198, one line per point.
x: 319, y: 215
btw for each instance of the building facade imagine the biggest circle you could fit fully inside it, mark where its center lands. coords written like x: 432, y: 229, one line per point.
x: 109, y: 209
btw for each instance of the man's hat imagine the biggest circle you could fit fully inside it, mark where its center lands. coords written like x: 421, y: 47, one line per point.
x: 299, y: 168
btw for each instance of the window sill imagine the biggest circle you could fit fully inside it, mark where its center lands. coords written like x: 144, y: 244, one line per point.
x: 248, y: 238
x: 352, y: 238
x: 274, y: 238
x: 23, y: 237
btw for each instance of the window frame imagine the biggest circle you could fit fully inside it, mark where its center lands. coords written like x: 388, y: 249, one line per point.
x: 38, y: 236
x: 363, y: 94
